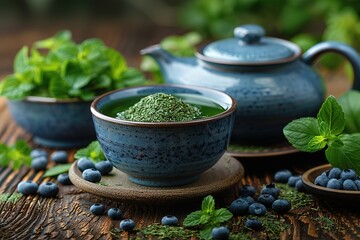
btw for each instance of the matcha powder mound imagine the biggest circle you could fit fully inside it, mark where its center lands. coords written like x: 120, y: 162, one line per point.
x: 160, y: 107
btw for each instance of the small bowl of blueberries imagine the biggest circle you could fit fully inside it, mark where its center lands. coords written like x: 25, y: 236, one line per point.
x: 333, y: 184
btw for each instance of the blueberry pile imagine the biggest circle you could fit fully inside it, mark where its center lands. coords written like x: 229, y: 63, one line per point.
x: 335, y: 178
x: 91, y: 171
x: 285, y: 176
x: 39, y: 162
x: 268, y: 199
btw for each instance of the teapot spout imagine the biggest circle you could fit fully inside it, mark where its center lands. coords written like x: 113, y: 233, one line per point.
x: 158, y: 53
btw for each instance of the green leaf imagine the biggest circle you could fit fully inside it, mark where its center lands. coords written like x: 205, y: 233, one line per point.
x: 21, y: 60
x: 301, y: 131
x: 331, y: 113
x: 58, y: 88
x: 57, y: 169
x: 194, y: 219
x: 4, y: 160
x: 117, y: 63
x: 54, y: 42
x: 317, y: 143
x: 208, y: 205
x: 92, y: 151
x: 346, y: 156
x: 350, y: 103
x: 17, y: 155
x: 206, y: 233
x: 221, y: 215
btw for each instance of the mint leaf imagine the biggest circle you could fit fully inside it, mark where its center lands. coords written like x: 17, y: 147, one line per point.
x: 317, y: 143
x: 301, y: 131
x: 208, y: 205
x: 57, y: 169
x: 194, y: 219
x: 221, y: 215
x: 206, y: 233
x: 350, y: 103
x: 21, y: 60
x: 92, y: 151
x: 332, y: 114
x: 345, y: 156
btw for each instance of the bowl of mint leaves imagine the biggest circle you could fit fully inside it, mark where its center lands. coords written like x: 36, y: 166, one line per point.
x: 54, y: 82
x: 336, y: 129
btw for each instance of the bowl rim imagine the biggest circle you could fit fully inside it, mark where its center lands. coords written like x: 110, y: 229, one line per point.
x: 221, y: 115
x: 39, y: 99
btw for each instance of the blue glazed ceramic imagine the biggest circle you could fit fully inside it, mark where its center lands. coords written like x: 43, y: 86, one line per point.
x: 169, y: 153
x: 54, y: 123
x: 268, y: 77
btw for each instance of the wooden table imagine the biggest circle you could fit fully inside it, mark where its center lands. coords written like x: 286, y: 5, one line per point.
x: 68, y: 217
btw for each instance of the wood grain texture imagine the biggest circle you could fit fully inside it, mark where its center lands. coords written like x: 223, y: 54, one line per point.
x: 68, y: 215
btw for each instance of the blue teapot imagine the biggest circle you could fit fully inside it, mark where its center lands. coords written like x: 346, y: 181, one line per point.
x: 271, y: 80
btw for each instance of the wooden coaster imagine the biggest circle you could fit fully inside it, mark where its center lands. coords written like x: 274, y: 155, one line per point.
x: 227, y: 172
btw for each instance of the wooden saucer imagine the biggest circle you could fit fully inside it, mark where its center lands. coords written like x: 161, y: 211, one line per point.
x: 226, y: 173
x: 343, y: 197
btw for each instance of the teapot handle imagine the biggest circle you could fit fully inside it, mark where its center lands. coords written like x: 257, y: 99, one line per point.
x: 345, y: 50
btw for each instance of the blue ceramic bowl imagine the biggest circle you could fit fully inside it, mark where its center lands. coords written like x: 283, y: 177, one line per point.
x: 168, y: 153
x: 53, y: 122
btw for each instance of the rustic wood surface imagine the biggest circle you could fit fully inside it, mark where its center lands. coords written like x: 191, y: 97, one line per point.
x: 68, y: 217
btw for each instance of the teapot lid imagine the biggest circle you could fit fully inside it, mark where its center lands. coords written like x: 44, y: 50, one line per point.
x: 250, y: 47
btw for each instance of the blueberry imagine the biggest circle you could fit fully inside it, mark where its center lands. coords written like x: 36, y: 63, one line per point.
x: 281, y: 206
x: 115, y: 213
x: 334, y: 184
x: 357, y: 182
x: 253, y: 224
x: 282, y: 176
x: 169, y: 220
x: 64, y: 179
x: 38, y: 153
x: 27, y: 187
x: 334, y: 173
x: 257, y: 209
x: 321, y: 180
x: 104, y: 167
x: 247, y: 190
x: 39, y: 163
x: 85, y: 163
x: 266, y: 199
x: 220, y: 233
x: 300, y: 186
x: 48, y: 189
x: 349, y: 184
x: 59, y: 157
x: 91, y: 175
x: 292, y: 180
x: 127, y: 224
x: 97, y: 209
x: 247, y: 198
x: 348, y: 174
x: 271, y: 189
x: 239, y: 207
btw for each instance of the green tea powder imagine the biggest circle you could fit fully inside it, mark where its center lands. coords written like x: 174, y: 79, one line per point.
x: 160, y: 107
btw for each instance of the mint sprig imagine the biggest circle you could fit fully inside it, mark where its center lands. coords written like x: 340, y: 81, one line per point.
x: 207, y: 218
x: 16, y: 155
x: 326, y: 130
x: 60, y: 68
x: 92, y: 151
